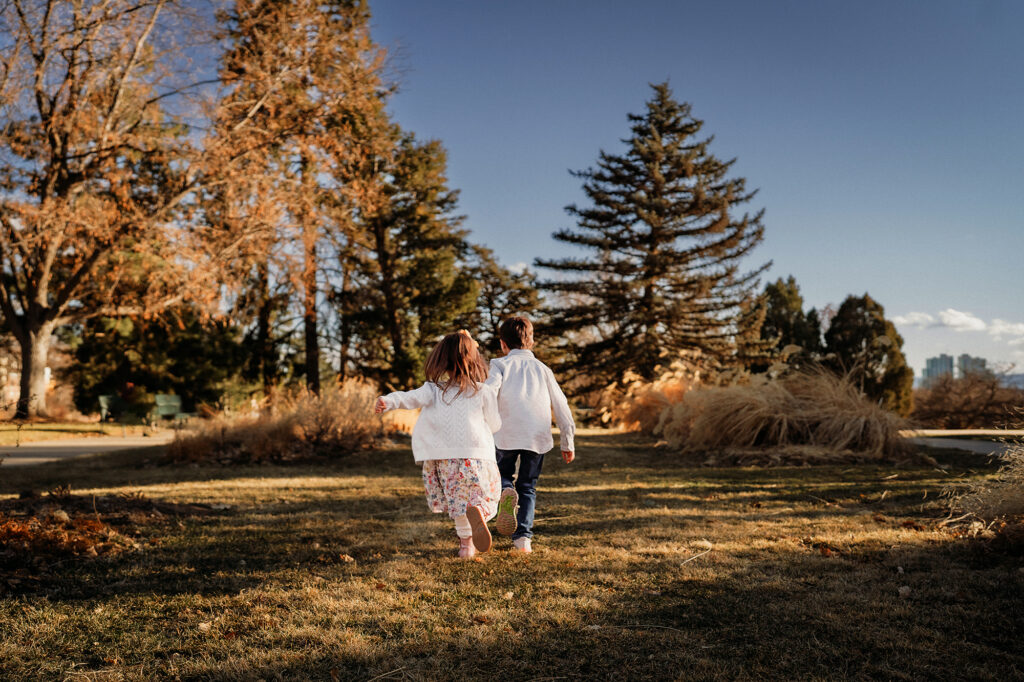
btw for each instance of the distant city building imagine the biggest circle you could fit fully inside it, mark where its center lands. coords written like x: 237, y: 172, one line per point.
x: 937, y: 367
x: 966, y: 364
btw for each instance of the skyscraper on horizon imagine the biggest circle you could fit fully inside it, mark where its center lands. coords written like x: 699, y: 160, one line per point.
x: 966, y: 364
x: 937, y: 367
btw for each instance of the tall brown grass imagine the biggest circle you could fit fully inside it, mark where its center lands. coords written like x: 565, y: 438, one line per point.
x: 811, y: 416
x: 636, y: 405
x: 1000, y: 499
x: 300, y: 425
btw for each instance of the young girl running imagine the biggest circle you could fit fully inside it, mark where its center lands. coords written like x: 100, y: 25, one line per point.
x: 453, y: 438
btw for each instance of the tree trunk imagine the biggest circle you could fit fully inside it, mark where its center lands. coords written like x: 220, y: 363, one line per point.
x: 307, y: 220
x: 400, y: 365
x: 35, y: 346
x: 266, y: 357
x: 309, y: 317
x: 344, y: 328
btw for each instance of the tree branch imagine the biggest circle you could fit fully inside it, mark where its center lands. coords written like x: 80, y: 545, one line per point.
x: 127, y: 70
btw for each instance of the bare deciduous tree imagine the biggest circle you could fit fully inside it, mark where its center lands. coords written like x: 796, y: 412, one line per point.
x: 102, y: 151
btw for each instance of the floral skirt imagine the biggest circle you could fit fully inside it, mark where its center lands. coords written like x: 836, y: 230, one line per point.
x: 454, y: 484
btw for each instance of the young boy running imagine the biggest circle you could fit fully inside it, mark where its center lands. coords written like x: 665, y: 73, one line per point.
x: 527, y: 393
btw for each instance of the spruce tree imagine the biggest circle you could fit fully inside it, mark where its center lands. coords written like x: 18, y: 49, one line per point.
x: 416, y: 282
x: 785, y: 321
x: 663, y: 239
x: 861, y: 342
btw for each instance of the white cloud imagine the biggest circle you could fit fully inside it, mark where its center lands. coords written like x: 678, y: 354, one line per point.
x: 519, y: 267
x: 1000, y: 328
x: 961, y: 321
x: 914, y: 320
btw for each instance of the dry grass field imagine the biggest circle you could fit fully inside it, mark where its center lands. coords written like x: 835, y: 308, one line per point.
x: 647, y: 567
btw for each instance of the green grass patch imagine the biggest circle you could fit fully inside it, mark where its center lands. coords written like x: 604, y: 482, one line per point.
x: 645, y: 566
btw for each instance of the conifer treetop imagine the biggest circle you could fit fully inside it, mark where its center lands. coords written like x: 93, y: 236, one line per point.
x: 662, y: 238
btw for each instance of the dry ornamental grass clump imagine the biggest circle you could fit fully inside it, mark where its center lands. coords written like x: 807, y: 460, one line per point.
x: 636, y: 405
x: 301, y: 425
x: 993, y: 508
x: 803, y: 417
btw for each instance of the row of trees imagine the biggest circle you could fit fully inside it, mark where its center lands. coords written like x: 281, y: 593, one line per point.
x: 253, y: 171
x: 855, y: 339
x: 661, y: 246
x: 256, y: 207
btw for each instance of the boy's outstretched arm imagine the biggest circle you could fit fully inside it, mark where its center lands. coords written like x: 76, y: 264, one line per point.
x: 563, y: 417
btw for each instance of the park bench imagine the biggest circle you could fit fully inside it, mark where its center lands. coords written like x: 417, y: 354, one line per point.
x: 106, y: 406
x: 168, y: 406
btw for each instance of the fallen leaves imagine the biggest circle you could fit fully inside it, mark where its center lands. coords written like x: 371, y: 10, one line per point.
x: 36, y: 542
x: 825, y: 548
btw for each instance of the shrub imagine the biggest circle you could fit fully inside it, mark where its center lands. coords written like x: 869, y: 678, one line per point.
x: 977, y: 400
x: 802, y: 417
x: 301, y: 425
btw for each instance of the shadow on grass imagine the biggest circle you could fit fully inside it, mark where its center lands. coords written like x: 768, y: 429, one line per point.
x: 243, y: 548
x: 797, y: 616
x: 146, y: 466
x: 607, y: 595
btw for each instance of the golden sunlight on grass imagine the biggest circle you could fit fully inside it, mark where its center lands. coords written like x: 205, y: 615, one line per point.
x: 645, y: 567
x: 11, y: 434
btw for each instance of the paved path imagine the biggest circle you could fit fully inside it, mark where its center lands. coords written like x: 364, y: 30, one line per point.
x: 982, y: 447
x: 39, y: 452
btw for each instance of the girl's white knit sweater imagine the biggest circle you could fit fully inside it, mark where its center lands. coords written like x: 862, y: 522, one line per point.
x: 450, y: 426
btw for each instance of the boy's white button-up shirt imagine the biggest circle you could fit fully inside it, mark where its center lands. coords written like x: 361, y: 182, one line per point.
x: 527, y: 394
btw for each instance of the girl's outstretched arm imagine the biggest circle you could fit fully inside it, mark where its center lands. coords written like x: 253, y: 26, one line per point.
x: 406, y: 400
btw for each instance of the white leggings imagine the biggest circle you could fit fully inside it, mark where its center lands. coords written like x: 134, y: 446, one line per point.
x: 462, y: 527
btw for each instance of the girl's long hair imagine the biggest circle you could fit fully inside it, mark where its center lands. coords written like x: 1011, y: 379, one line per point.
x: 456, y: 363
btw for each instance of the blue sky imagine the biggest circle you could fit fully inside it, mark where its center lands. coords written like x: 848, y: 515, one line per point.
x: 887, y: 138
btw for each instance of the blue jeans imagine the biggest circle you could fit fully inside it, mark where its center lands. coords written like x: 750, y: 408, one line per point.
x: 530, y: 464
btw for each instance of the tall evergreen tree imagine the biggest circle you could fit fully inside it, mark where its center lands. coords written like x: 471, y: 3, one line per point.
x: 503, y: 293
x: 415, y: 280
x: 785, y: 321
x: 664, y: 236
x: 862, y: 342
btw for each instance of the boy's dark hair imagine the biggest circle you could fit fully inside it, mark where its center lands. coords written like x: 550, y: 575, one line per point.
x: 517, y: 332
